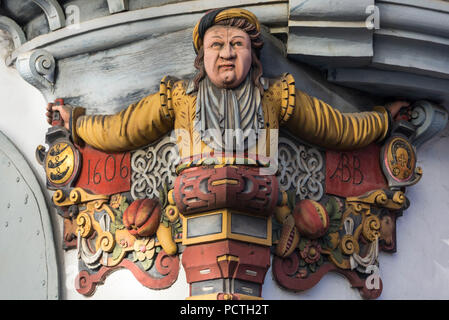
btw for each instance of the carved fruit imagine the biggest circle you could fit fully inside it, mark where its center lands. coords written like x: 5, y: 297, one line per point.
x: 289, y: 238
x: 311, y: 219
x: 281, y: 213
x: 142, y: 217
x: 164, y: 235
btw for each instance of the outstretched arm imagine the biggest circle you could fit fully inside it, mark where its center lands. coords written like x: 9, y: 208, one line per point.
x: 316, y: 122
x: 138, y: 125
x: 134, y: 127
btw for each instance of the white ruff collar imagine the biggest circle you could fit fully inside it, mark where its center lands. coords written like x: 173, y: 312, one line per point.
x: 229, y: 119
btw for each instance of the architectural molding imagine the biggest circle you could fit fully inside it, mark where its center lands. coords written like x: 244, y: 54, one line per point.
x: 17, y: 35
x: 117, y: 6
x: 37, y: 67
x: 53, y: 12
x: 107, y: 32
x: 409, y: 39
x: 392, y: 83
x: 329, y: 32
x: 430, y: 119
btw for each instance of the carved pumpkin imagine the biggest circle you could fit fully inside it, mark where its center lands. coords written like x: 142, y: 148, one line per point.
x: 289, y: 238
x: 311, y: 219
x: 142, y: 217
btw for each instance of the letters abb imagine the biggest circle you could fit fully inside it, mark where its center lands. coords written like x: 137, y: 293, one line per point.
x: 354, y: 173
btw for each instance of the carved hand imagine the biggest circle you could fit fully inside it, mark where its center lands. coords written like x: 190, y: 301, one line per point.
x: 396, y: 106
x: 64, y: 110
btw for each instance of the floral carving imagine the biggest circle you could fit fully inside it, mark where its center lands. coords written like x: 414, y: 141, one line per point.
x: 144, y: 251
x: 311, y: 253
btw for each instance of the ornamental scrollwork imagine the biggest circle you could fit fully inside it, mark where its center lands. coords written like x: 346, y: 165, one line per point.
x: 301, y: 169
x: 152, y: 167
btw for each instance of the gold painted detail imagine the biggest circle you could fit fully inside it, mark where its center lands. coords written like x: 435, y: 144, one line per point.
x: 84, y: 225
x: 76, y: 196
x: 171, y: 197
x: 401, y: 159
x: 288, y: 98
x: 225, y: 181
x: 165, y: 92
x: 371, y: 228
x: 359, y: 245
x: 86, y: 220
x: 225, y: 229
x: 374, y: 197
x: 60, y: 163
x: 228, y: 257
x: 377, y: 198
x: 165, y: 237
x: 349, y: 245
x: 399, y: 198
x: 172, y: 213
x: 103, y: 239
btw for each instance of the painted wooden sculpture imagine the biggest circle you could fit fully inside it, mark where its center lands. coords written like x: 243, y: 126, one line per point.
x: 204, y: 168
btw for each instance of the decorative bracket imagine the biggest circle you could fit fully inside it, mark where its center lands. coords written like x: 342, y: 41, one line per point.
x: 429, y: 119
x: 37, y: 67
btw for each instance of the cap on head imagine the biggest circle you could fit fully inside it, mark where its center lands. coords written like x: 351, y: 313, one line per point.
x: 217, y: 15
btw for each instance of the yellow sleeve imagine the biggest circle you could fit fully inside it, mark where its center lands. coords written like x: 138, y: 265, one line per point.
x: 314, y: 121
x: 137, y: 125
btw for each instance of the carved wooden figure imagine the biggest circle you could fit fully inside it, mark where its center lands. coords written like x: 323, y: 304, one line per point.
x: 254, y: 166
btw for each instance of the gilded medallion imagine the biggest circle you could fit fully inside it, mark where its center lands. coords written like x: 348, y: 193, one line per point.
x: 400, y: 159
x: 60, y: 163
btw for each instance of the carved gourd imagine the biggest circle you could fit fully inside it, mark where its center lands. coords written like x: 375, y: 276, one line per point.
x: 142, y: 217
x: 311, y: 219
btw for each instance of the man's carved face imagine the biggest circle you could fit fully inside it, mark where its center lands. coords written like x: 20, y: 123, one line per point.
x: 227, y: 56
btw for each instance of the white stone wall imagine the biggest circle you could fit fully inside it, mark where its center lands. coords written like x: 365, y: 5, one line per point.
x: 419, y: 269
